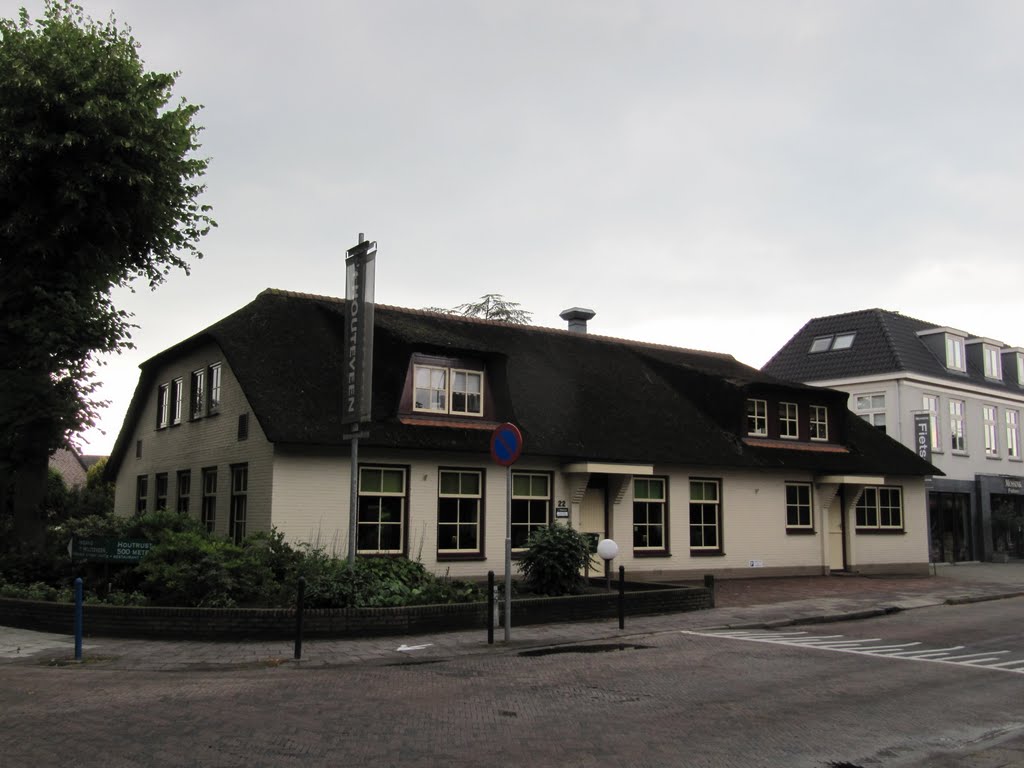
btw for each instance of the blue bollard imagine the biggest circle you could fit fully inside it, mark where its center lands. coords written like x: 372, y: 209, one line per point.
x: 78, y: 619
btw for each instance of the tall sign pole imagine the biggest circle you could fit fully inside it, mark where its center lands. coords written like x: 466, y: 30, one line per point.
x: 357, y: 384
x: 506, y: 447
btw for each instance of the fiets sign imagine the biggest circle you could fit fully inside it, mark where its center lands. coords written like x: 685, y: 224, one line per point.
x: 109, y: 550
x: 923, y: 434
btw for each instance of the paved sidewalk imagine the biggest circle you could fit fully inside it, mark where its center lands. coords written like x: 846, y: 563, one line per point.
x: 741, y: 602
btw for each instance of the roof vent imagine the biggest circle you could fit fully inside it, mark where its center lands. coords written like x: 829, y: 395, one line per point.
x: 577, y: 318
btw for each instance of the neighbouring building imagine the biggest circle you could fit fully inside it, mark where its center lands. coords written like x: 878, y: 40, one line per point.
x: 693, y: 462
x: 956, y: 396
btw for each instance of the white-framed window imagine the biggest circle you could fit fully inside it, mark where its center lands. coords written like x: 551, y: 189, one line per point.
x: 650, y: 514
x: 931, y: 404
x: 705, y: 515
x: 957, y: 427
x: 439, y: 389
x: 204, y: 387
x: 1020, y: 369
x: 184, y: 490
x: 177, y: 387
x: 197, y: 397
x: 161, y: 492
x: 819, y: 422
x: 531, y: 504
x: 789, y: 425
x: 459, y: 512
x: 799, y: 512
x: 239, y: 501
x: 208, y: 513
x: 141, y: 494
x: 757, y: 418
x: 833, y: 342
x: 871, y: 408
x: 1012, y: 434
x: 163, y: 405
x: 214, y: 404
x: 955, y: 353
x: 988, y: 421
x: 381, y: 523
x: 993, y: 362
x: 467, y: 392
x: 880, y: 507
x: 382, y: 510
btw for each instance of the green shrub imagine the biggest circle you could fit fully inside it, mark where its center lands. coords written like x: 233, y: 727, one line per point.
x: 554, y: 557
x: 378, y: 582
x: 189, y: 569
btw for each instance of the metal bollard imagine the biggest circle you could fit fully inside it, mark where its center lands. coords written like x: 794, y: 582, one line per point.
x: 300, y: 607
x: 492, y: 600
x: 709, y: 583
x: 78, y: 619
x: 622, y: 597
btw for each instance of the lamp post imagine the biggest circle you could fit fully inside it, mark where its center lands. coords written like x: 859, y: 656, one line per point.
x: 607, y: 549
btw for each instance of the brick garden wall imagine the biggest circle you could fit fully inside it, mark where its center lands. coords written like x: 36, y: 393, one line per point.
x: 252, y: 623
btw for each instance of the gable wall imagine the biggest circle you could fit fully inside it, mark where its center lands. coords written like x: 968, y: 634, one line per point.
x: 211, y: 441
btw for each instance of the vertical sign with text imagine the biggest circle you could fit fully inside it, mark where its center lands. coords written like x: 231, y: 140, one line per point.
x: 358, y: 365
x: 923, y: 435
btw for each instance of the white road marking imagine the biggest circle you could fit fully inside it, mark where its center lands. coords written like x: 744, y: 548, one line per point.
x: 404, y: 647
x: 982, y: 660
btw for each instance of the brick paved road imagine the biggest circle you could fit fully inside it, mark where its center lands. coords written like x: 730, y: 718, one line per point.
x: 679, y: 701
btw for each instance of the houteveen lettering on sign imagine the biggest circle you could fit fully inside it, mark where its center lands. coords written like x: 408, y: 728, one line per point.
x: 358, y: 370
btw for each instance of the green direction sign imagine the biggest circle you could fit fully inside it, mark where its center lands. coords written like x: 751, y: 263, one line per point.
x: 109, y: 550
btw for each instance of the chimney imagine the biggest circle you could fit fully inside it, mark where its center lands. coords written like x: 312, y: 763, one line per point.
x: 577, y: 318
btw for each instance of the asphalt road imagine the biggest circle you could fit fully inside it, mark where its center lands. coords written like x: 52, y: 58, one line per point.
x: 875, y: 693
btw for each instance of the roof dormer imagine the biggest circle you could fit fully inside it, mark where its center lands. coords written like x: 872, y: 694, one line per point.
x: 948, y: 345
x: 985, y: 354
x: 1013, y: 365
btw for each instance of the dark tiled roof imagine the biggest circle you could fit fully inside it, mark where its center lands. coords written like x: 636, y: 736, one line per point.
x: 886, y: 342
x: 573, y: 396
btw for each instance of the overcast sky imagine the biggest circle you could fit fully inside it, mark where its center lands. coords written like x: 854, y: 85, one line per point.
x: 704, y: 174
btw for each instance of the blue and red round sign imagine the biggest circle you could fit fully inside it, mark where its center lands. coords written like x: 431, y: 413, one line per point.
x: 506, y: 444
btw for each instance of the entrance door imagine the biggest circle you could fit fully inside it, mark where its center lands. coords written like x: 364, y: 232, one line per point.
x: 836, y: 562
x: 592, y: 518
x: 949, y: 518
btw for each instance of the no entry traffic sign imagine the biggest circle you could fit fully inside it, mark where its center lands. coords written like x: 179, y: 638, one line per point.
x: 506, y: 444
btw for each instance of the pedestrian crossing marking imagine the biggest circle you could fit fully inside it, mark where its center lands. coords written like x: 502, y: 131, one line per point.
x: 873, y: 646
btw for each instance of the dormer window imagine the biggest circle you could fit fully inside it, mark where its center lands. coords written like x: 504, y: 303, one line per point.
x: 955, y: 353
x: 993, y: 362
x: 1020, y: 369
x: 819, y: 422
x: 757, y: 418
x: 448, y: 390
x: 789, y: 426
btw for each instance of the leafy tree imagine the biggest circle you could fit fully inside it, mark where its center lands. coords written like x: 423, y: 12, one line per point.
x: 490, y: 306
x: 99, y: 186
